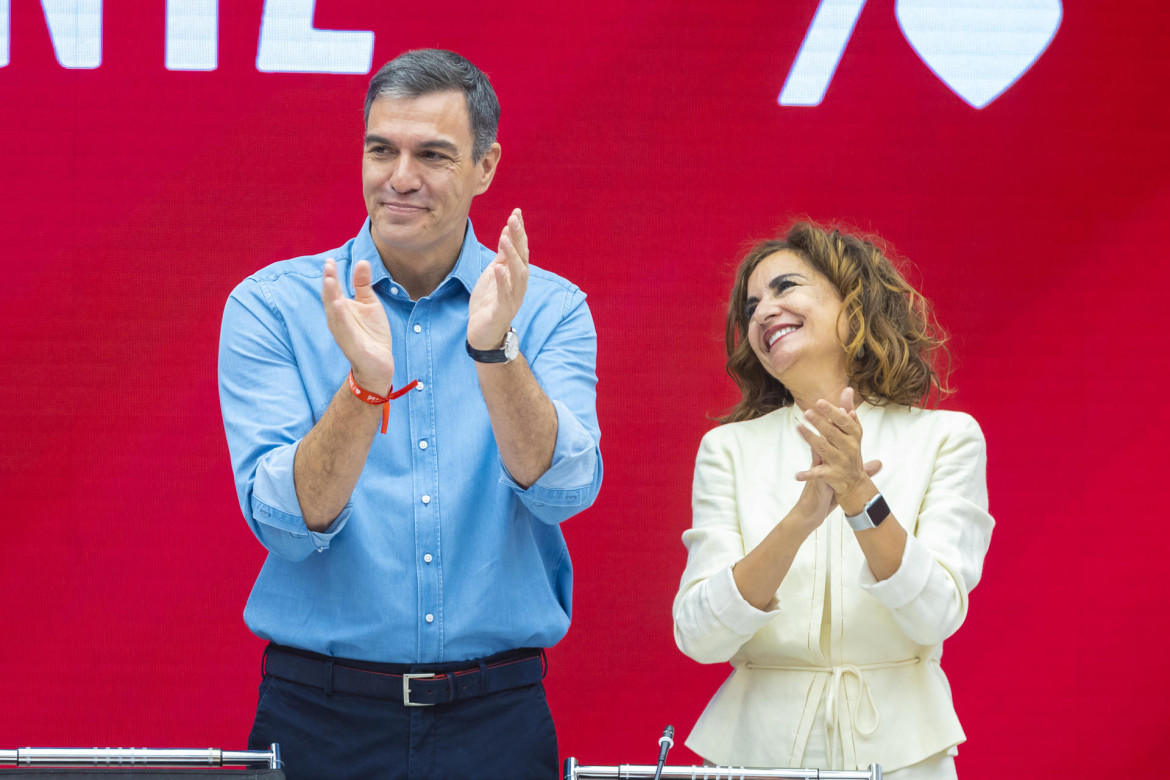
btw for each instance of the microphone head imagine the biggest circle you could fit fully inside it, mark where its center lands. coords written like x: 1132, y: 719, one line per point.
x: 669, y: 733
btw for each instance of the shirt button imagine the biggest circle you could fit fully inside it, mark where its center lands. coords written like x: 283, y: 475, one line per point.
x: 418, y: 328
x: 430, y: 618
x: 428, y: 558
x: 420, y: 386
x: 393, y: 290
x: 422, y: 445
x: 426, y: 499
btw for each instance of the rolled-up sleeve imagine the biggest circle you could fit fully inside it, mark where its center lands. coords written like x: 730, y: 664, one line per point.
x: 712, y: 620
x: 565, y: 367
x: 266, y: 413
x: 943, y: 558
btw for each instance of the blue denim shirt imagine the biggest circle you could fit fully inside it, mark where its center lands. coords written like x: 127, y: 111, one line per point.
x: 439, y: 555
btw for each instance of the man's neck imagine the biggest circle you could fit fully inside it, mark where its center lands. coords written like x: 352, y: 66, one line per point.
x: 419, y: 272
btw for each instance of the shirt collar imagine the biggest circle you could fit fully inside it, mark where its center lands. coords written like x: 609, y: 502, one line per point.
x: 468, y: 266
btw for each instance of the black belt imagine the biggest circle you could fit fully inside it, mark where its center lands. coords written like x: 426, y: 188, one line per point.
x: 413, y: 688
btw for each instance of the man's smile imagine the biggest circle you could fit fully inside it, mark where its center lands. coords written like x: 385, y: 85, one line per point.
x: 398, y: 207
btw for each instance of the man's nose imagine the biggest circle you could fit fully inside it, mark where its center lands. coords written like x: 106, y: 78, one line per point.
x: 404, y: 177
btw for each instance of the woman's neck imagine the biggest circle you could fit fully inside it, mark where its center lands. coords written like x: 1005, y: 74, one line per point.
x: 806, y: 397
x: 811, y: 382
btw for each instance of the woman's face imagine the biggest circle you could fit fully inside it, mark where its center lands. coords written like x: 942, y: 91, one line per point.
x: 794, y: 322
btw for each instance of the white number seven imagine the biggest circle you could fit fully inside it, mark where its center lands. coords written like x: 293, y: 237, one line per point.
x: 824, y: 43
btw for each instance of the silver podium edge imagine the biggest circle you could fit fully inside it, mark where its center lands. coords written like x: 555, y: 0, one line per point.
x: 574, y: 771
x: 142, y: 757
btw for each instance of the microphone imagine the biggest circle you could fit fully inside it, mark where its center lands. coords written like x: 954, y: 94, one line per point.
x: 665, y: 743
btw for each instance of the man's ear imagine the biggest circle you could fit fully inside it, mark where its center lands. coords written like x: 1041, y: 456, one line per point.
x: 487, y: 167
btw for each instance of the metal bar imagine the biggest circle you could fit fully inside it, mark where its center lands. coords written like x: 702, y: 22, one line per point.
x: 140, y: 757
x: 253, y: 757
x: 574, y: 771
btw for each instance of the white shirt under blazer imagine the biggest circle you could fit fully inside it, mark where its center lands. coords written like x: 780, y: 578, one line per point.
x: 878, y: 683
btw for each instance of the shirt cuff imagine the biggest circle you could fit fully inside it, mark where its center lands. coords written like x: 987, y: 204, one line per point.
x: 905, y: 584
x: 287, y: 535
x: 733, y: 611
x: 277, y: 512
x: 569, y: 480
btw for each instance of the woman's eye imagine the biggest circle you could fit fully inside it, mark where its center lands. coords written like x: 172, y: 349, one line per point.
x: 749, y: 309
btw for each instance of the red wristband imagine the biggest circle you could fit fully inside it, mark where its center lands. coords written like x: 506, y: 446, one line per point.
x: 365, y: 396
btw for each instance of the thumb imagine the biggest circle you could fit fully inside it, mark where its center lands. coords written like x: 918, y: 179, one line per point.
x: 362, y: 277
x: 847, y: 400
x: 872, y: 467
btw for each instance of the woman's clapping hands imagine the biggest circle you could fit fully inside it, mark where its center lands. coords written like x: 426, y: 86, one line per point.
x: 837, y: 467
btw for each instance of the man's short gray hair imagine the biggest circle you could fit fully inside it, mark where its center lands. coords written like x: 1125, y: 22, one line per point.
x: 424, y: 71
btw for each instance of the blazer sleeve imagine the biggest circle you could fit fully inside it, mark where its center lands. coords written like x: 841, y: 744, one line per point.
x: 711, y: 618
x: 948, y: 540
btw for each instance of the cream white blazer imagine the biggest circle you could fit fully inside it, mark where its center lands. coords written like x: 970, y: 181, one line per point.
x: 878, y: 681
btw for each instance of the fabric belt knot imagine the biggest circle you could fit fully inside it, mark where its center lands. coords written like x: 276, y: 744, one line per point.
x: 834, y: 691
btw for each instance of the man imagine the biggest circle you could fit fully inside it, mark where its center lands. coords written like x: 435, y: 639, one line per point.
x: 413, y: 575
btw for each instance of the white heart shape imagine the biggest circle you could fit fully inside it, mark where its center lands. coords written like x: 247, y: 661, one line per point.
x: 979, y: 48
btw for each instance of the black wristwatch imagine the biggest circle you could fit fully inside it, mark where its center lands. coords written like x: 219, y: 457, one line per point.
x: 876, y: 510
x: 505, y: 354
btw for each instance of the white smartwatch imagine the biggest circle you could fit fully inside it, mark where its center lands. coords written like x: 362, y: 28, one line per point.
x: 876, y: 510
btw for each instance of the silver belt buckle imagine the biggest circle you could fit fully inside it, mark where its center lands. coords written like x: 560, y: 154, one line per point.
x: 406, y: 678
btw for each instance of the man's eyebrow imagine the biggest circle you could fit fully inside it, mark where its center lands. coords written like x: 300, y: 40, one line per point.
x: 440, y: 143
x: 436, y: 143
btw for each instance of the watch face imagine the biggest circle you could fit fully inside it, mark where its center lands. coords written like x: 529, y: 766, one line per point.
x: 877, y: 509
x: 511, y: 345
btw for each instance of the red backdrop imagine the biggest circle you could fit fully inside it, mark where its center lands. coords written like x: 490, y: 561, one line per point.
x: 646, y: 144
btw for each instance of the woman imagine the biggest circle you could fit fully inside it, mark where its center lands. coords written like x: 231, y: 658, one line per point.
x: 830, y: 581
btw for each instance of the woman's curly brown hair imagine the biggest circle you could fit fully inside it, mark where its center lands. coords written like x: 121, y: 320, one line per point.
x: 894, y: 349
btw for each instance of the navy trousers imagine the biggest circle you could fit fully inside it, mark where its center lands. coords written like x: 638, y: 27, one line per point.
x: 506, y: 734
